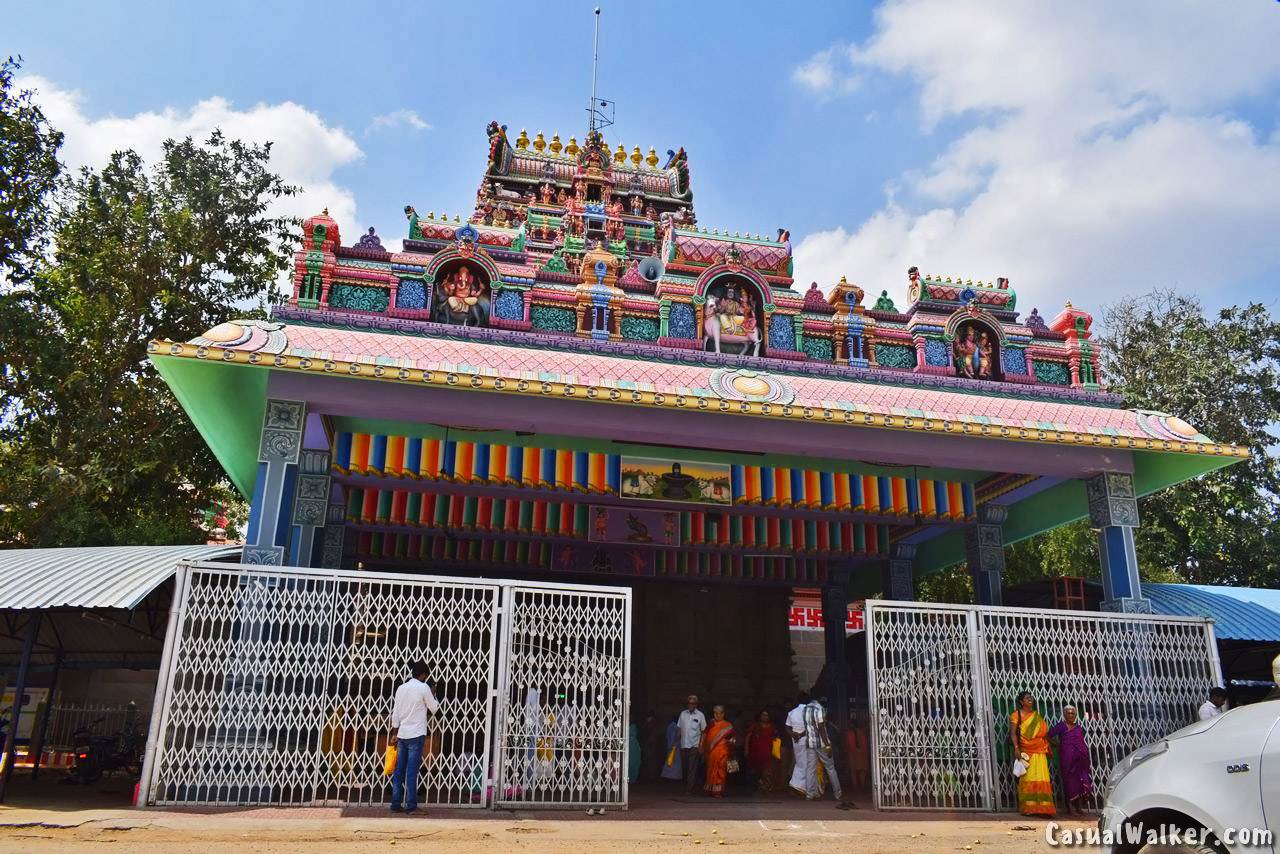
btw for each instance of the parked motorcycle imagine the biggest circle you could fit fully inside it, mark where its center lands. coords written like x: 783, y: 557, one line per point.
x: 96, y: 754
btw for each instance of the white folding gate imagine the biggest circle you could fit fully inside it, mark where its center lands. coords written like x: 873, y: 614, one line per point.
x: 277, y: 683
x: 943, y: 679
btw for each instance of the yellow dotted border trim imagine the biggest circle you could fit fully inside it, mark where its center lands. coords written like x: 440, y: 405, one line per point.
x: 668, y: 400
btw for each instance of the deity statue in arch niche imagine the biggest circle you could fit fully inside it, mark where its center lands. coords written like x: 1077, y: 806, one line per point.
x: 462, y: 298
x: 976, y: 352
x: 731, y: 316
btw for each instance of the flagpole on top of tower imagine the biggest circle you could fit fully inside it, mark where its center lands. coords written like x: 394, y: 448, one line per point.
x: 595, y: 110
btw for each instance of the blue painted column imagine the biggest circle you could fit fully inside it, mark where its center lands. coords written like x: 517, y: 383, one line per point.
x: 1113, y: 511
x: 270, y: 515
x: 899, y: 574
x: 984, y: 550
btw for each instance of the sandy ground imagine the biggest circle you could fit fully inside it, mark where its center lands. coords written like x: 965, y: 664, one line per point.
x: 47, y: 816
x: 50, y: 817
x: 329, y: 831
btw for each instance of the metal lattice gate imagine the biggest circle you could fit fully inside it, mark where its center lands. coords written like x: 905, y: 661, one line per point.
x: 277, y: 685
x: 943, y: 679
x: 565, y: 726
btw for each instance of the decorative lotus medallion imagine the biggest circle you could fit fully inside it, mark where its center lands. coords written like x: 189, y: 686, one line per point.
x: 755, y: 386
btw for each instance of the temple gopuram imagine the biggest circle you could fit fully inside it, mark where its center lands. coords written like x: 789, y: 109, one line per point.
x: 578, y: 380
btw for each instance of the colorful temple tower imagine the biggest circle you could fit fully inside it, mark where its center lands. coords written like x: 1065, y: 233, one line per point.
x: 579, y: 379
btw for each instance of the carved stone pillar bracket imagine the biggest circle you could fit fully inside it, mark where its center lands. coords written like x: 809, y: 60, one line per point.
x: 1112, y: 500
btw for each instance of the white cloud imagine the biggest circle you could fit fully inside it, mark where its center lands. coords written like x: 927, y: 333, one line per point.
x: 397, y: 119
x: 1104, y: 157
x: 305, y: 152
x: 828, y: 73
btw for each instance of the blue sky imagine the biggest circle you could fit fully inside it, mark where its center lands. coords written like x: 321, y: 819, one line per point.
x: 1084, y: 151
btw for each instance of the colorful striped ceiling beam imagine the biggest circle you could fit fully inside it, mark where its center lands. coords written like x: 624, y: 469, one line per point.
x: 595, y: 473
x: 567, y: 520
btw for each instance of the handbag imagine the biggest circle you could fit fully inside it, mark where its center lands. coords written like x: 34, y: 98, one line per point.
x: 731, y: 766
x: 389, y: 760
x: 1020, y: 765
x: 671, y: 757
x: 777, y: 748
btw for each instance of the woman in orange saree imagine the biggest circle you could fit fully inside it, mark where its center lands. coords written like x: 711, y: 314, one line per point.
x: 1030, y: 736
x: 717, y: 750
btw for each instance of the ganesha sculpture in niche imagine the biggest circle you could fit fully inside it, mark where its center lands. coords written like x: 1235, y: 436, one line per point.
x: 462, y: 299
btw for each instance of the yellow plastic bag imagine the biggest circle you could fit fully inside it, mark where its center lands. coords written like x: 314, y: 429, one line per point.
x: 671, y: 757
x: 389, y: 761
x: 777, y: 748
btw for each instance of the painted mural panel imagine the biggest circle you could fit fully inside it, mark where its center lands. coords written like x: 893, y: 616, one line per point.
x: 680, y: 481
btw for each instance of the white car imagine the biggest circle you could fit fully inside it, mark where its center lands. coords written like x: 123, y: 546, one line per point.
x: 1211, y: 787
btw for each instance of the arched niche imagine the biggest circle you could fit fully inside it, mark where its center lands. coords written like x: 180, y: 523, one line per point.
x: 463, y: 293
x: 976, y: 342
x: 736, y: 302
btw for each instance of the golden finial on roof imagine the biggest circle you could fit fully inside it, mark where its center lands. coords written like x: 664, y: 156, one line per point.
x: 431, y: 214
x: 572, y: 148
x: 556, y: 145
x: 620, y: 155
x: 1068, y: 304
x: 522, y: 141
x: 652, y: 159
x: 636, y: 156
x: 457, y: 218
x: 539, y: 142
x: 325, y: 212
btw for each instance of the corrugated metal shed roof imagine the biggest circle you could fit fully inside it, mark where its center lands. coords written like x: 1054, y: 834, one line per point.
x: 92, y: 577
x: 1239, y: 613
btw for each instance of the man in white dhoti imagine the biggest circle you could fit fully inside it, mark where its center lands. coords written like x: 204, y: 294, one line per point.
x: 799, y: 741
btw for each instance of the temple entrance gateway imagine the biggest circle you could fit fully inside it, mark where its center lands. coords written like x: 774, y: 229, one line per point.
x: 943, y: 679
x: 277, y: 685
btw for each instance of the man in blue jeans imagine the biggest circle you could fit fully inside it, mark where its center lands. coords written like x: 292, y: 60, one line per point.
x: 414, y: 701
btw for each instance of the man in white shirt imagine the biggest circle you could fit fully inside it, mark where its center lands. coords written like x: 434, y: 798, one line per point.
x: 690, y: 727
x: 1215, y: 705
x: 414, y: 701
x: 800, y: 743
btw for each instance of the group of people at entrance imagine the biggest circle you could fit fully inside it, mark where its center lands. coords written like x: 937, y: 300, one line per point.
x: 707, y: 753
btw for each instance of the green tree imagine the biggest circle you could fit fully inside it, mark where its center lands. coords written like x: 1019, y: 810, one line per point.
x: 1221, y: 374
x: 94, y: 447
x: 28, y: 171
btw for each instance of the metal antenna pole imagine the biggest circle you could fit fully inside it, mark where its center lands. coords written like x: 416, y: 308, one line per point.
x: 595, y: 59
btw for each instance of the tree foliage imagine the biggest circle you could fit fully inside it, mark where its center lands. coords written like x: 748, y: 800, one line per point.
x: 28, y: 171
x: 1221, y: 374
x: 94, y: 447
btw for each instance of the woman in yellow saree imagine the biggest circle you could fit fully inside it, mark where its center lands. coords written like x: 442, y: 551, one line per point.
x: 717, y: 750
x: 1029, y: 733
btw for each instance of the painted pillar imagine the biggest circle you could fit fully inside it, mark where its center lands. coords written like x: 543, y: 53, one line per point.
x: 1113, y: 510
x: 984, y: 549
x: 899, y: 576
x: 835, y: 610
x: 270, y: 516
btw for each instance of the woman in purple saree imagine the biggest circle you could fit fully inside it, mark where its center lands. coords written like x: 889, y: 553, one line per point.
x: 1073, y: 759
